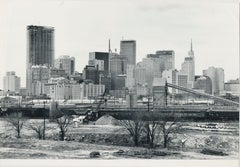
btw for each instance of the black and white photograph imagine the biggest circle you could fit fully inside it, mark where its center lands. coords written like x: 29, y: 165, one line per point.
x: 118, y: 81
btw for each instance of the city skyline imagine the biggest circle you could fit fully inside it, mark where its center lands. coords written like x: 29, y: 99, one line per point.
x: 166, y: 34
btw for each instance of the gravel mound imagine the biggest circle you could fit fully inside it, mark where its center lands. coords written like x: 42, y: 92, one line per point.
x: 107, y: 120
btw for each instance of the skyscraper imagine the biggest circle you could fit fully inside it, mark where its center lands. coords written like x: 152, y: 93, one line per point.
x: 128, y: 49
x: 118, y: 64
x: 91, y: 73
x: 67, y: 63
x: 40, y: 50
x: 40, y: 46
x: 188, y: 67
x: 166, y: 59
x: 11, y: 82
x: 99, y: 60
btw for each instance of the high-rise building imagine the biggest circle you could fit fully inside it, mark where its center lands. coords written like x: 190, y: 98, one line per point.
x: 67, y: 63
x: 217, y: 77
x: 166, y: 59
x: 57, y: 72
x: 182, y: 80
x: 188, y: 67
x: 140, y: 75
x: 130, y: 77
x: 128, y: 49
x: 91, y: 73
x: 39, y: 75
x: 40, y: 46
x: 40, y: 49
x: 151, y: 70
x: 100, y: 60
x: 118, y: 64
x: 11, y: 82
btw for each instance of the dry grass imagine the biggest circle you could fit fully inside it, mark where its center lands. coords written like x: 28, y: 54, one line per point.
x: 29, y: 147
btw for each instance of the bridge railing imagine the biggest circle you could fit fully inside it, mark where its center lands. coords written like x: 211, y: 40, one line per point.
x: 225, y: 101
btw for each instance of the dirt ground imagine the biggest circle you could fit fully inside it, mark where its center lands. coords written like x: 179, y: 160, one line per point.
x: 29, y: 147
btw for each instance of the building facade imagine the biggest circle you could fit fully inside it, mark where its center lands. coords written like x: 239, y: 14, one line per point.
x: 40, y: 49
x: 217, y: 77
x: 11, y: 82
x: 39, y: 75
x: 118, y: 64
x: 100, y: 60
x: 66, y: 63
x: 91, y: 73
x: 128, y: 49
x: 203, y: 83
x: 166, y: 59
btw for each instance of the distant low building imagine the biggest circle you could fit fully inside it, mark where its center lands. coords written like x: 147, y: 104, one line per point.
x: 10, y: 101
x: 232, y: 87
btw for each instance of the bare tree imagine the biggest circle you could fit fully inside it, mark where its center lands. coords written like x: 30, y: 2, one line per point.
x: 167, y: 129
x: 38, y: 129
x: 63, y: 123
x: 135, y: 129
x: 16, y: 121
x: 152, y: 130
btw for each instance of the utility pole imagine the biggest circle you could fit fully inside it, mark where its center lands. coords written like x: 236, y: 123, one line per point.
x: 147, y: 124
x: 166, y: 93
x: 44, y: 120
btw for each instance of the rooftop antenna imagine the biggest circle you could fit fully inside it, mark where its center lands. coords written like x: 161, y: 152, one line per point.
x: 191, y: 44
x: 109, y: 46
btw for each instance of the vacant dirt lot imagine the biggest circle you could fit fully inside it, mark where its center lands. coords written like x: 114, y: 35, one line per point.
x: 112, y: 142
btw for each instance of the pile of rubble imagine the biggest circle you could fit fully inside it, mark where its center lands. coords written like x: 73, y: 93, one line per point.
x: 107, y: 120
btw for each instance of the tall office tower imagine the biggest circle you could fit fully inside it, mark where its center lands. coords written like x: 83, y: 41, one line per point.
x: 166, y: 59
x: 163, y: 60
x: 130, y: 77
x: 100, y: 60
x: 40, y: 49
x: 118, y: 64
x: 188, y: 67
x: 182, y: 80
x: 91, y: 73
x: 141, y: 80
x: 128, y: 49
x: 140, y: 74
x: 217, y: 77
x: 11, y: 82
x: 67, y: 63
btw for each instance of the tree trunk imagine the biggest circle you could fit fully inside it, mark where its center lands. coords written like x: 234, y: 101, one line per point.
x: 62, y: 135
x: 136, y: 141
x: 18, y: 132
x: 165, y: 142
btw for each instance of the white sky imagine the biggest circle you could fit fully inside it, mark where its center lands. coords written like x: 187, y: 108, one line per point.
x: 83, y: 26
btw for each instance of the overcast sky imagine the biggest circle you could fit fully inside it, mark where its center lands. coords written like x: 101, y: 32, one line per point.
x: 83, y: 26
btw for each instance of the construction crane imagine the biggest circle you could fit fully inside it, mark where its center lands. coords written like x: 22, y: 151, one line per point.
x: 92, y: 114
